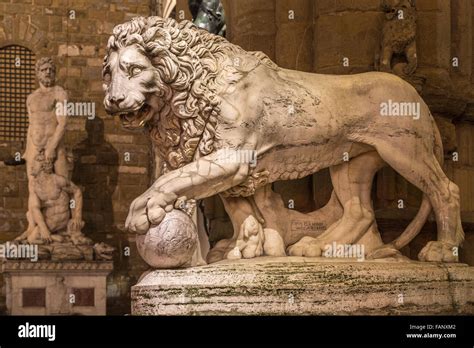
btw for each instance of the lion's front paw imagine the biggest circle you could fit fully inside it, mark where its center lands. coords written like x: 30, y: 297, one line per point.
x: 147, y: 210
x: 307, y: 246
x: 436, y: 251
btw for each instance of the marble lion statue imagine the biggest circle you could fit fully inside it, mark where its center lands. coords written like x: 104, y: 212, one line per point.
x: 204, y: 102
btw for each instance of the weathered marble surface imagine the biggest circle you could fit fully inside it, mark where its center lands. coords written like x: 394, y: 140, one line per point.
x: 230, y: 122
x: 307, y: 286
x: 171, y: 244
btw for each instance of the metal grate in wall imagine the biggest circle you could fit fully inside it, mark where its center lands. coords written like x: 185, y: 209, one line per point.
x: 17, y: 81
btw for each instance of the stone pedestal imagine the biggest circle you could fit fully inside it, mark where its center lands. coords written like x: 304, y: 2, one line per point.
x: 307, y: 286
x: 56, y: 288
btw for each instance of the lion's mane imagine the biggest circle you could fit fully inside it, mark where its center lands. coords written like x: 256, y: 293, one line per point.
x: 189, y: 63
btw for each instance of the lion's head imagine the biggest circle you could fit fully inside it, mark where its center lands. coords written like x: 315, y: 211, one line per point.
x: 163, y: 76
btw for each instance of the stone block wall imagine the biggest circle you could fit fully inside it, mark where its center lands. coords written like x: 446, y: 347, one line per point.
x: 111, y: 165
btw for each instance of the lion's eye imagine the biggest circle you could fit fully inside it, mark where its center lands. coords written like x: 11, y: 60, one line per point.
x: 135, y: 70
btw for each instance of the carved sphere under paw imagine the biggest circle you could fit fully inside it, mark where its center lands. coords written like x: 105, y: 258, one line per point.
x: 171, y: 244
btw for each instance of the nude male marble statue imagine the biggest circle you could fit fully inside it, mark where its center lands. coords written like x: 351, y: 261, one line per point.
x: 50, y: 207
x: 46, y: 127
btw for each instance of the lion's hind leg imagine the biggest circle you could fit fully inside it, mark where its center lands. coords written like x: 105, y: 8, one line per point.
x: 416, y: 162
x: 352, y: 183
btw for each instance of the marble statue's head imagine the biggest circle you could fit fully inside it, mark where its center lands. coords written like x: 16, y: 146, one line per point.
x: 46, y: 71
x: 164, y: 76
x: 133, y: 71
x: 41, y: 164
x: 151, y: 66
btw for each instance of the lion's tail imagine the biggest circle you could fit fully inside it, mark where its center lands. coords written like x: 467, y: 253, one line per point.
x: 414, y: 228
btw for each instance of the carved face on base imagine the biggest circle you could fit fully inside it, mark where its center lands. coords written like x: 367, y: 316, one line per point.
x: 130, y: 86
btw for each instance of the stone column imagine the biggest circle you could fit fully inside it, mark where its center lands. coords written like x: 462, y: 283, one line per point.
x: 345, y: 30
x: 434, y: 33
x: 251, y: 25
x: 182, y: 10
x: 294, y: 35
x: 461, y: 35
x: 470, y: 111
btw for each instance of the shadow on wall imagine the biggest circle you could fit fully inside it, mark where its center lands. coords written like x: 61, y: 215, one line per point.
x: 96, y: 164
x: 95, y: 171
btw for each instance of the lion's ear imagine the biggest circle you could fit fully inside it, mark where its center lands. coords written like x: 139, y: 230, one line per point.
x: 159, y: 38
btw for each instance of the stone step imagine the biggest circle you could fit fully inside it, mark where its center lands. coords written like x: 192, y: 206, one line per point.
x: 307, y: 286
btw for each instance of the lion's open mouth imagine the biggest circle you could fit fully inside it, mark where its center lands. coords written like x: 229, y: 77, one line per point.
x: 137, y: 118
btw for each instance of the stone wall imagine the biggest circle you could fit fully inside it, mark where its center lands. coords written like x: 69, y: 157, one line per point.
x: 110, y: 165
